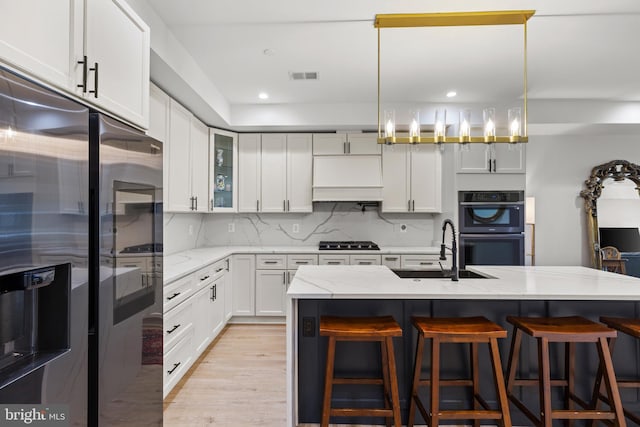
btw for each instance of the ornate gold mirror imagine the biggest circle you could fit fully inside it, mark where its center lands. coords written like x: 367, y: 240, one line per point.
x: 617, y: 171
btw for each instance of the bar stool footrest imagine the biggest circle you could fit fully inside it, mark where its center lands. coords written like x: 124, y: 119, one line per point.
x: 362, y: 412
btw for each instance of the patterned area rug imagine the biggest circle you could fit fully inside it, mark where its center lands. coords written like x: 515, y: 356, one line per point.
x: 152, y: 342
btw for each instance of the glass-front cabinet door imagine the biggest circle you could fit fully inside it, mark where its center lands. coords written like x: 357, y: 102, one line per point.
x: 223, y: 171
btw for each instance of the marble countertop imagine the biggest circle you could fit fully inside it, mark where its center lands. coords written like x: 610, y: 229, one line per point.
x: 182, y: 263
x: 505, y: 282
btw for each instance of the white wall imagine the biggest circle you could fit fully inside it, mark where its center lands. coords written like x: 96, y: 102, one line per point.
x: 557, y: 166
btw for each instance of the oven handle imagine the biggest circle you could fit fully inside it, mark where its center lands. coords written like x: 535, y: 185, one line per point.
x: 489, y: 204
x: 492, y: 236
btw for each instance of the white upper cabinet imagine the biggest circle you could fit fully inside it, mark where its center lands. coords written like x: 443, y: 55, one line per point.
x: 331, y: 144
x: 95, y: 49
x: 491, y: 158
x: 275, y: 172
x: 117, y: 49
x: 249, y: 162
x: 159, y: 108
x: 223, y: 171
x: 412, y: 178
x: 43, y: 44
x: 188, y: 171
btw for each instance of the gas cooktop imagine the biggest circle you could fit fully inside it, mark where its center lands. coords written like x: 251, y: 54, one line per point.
x: 349, y: 246
x: 145, y: 248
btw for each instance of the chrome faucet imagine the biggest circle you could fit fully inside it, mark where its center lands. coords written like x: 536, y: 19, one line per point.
x: 454, y: 249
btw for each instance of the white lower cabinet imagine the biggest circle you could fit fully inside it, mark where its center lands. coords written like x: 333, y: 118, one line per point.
x: 195, y: 311
x: 365, y: 259
x: 391, y: 260
x: 333, y: 259
x: 424, y: 262
x: 243, y: 279
x: 271, y: 290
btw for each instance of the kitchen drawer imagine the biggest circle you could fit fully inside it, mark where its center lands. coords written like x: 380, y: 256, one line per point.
x: 423, y: 262
x: 177, y: 323
x: 327, y: 259
x: 295, y: 261
x: 364, y: 259
x: 177, y: 361
x: 133, y: 262
x: 391, y: 261
x: 271, y: 262
x: 176, y: 292
x: 219, y: 268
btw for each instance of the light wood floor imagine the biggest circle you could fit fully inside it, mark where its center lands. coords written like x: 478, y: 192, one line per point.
x: 238, y: 382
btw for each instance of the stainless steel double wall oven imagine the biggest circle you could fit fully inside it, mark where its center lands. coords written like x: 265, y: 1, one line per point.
x: 491, y: 225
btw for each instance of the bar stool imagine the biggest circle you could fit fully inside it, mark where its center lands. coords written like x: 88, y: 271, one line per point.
x: 568, y: 330
x: 473, y: 330
x: 630, y: 327
x: 376, y: 329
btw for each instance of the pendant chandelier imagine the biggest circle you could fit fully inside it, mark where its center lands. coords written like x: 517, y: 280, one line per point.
x: 517, y: 117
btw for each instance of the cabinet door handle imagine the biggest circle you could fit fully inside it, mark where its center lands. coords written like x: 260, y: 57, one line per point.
x: 257, y: 205
x: 284, y: 206
x: 489, y: 161
x: 494, y: 165
x: 211, y: 204
x: 284, y: 277
x: 95, y: 79
x: 288, y: 206
x: 348, y: 147
x: 196, y: 199
x: 344, y: 147
x: 174, y: 328
x: 84, y: 74
x: 413, y: 205
x: 288, y: 277
x: 175, y: 294
x: 409, y: 206
x: 213, y: 292
x: 227, y: 264
x: 175, y: 366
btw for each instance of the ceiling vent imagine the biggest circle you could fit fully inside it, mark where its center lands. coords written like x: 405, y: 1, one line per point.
x: 303, y: 75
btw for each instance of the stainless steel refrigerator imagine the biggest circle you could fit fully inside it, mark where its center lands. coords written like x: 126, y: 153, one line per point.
x: 80, y: 262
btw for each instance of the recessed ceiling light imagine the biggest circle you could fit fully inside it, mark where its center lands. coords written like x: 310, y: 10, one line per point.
x: 451, y: 94
x: 263, y: 95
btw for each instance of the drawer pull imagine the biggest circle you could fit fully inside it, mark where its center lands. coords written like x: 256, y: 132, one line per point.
x: 218, y: 270
x: 204, y: 278
x: 395, y: 258
x: 174, y: 328
x: 175, y: 294
x: 270, y: 262
x: 302, y: 262
x: 364, y: 262
x: 426, y: 262
x: 334, y: 262
x: 175, y: 366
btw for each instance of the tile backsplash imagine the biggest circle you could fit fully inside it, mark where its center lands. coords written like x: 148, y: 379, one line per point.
x: 329, y: 221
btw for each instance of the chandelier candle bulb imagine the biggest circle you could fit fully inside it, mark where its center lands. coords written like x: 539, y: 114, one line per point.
x: 440, y: 124
x: 489, y: 119
x: 515, y: 124
x: 464, y: 126
x: 390, y: 124
x: 414, y: 127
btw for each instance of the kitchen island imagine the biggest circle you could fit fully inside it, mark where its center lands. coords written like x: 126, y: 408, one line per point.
x: 376, y: 290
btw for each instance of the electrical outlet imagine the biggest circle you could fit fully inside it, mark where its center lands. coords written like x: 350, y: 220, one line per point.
x: 190, y: 230
x: 403, y: 228
x: 296, y: 228
x: 231, y: 227
x: 308, y: 327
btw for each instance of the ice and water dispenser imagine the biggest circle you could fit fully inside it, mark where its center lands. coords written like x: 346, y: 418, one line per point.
x: 34, y: 320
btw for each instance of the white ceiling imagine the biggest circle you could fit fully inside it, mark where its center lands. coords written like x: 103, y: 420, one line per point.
x: 577, y: 49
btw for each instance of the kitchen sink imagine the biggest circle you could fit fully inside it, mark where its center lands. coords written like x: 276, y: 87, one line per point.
x: 436, y: 274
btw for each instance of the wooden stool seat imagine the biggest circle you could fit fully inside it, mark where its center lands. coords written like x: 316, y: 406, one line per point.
x: 472, y: 330
x: 377, y: 329
x: 631, y: 327
x: 569, y: 330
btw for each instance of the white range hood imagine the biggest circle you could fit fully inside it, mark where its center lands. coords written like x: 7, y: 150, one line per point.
x: 347, y: 178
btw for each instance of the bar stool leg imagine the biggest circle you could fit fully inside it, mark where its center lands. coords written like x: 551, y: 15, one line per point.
x: 395, y: 395
x: 610, y: 381
x: 385, y: 379
x: 512, y: 363
x: 545, y: 382
x: 500, y: 387
x: 597, y: 387
x: 417, y: 370
x: 475, y: 379
x: 569, y: 370
x: 328, y: 381
x: 435, y: 381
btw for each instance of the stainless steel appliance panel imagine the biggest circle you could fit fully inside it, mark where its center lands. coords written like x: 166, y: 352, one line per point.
x: 491, y: 249
x: 491, y: 211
